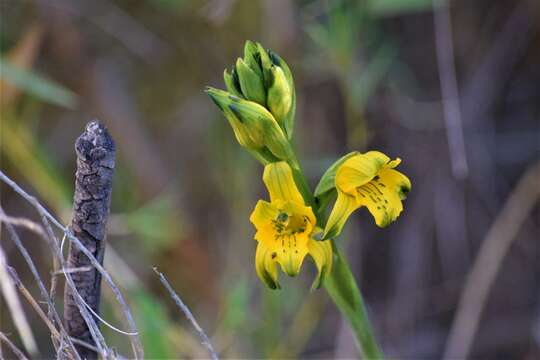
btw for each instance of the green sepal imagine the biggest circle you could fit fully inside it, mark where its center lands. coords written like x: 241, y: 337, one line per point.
x: 250, y: 83
x: 266, y: 64
x: 328, y: 180
x: 252, y: 57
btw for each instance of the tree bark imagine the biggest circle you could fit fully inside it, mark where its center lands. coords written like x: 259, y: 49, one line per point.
x: 93, y: 186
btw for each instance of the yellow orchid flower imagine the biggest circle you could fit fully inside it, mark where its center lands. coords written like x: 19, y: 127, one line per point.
x: 367, y: 180
x: 285, y: 227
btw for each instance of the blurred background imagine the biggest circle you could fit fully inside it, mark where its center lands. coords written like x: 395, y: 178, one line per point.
x: 369, y: 75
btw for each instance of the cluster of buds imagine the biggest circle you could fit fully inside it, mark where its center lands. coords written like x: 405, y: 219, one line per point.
x: 259, y: 103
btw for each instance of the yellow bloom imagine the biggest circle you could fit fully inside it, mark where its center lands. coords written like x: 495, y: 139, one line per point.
x: 285, y: 227
x: 367, y: 180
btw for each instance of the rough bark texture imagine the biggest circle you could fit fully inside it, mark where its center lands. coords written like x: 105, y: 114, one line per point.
x: 93, y: 185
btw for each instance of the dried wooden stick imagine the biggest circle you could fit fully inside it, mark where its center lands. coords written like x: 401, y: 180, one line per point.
x: 93, y: 187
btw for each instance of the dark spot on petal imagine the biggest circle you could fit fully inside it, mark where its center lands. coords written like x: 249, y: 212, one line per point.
x: 274, y: 255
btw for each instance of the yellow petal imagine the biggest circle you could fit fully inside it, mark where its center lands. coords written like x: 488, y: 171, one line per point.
x: 263, y: 214
x: 280, y: 183
x: 359, y: 169
x: 382, y: 196
x: 291, y: 251
x: 266, y: 266
x: 321, y: 252
x: 344, y: 206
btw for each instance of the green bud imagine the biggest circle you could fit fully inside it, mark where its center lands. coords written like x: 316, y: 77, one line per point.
x: 252, y: 57
x: 260, y: 121
x: 250, y: 83
x: 223, y: 99
x: 288, y: 121
x: 266, y: 64
x: 279, y: 95
x: 230, y: 84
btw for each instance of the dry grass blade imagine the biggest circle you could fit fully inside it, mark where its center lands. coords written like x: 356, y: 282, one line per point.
x: 13, y: 348
x: 188, y: 314
x: 15, y: 307
x: 53, y: 315
x: 488, y: 262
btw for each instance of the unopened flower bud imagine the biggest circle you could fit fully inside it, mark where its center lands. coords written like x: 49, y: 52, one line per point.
x: 250, y: 83
x: 261, y: 123
x: 246, y: 139
x: 279, y: 95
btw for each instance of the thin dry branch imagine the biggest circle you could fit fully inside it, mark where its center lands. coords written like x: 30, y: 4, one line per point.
x: 52, y: 314
x: 28, y: 296
x: 183, y: 307
x: 488, y: 262
x: 20, y: 355
x: 47, y: 220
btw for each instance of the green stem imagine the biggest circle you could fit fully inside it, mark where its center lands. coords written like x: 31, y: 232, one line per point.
x: 341, y: 285
x: 345, y: 293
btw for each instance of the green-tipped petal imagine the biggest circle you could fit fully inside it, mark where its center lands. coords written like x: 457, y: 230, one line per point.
x: 250, y: 83
x: 343, y: 208
x: 266, y: 267
x: 321, y: 252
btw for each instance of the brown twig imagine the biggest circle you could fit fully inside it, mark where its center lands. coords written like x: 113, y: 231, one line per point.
x: 488, y: 262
